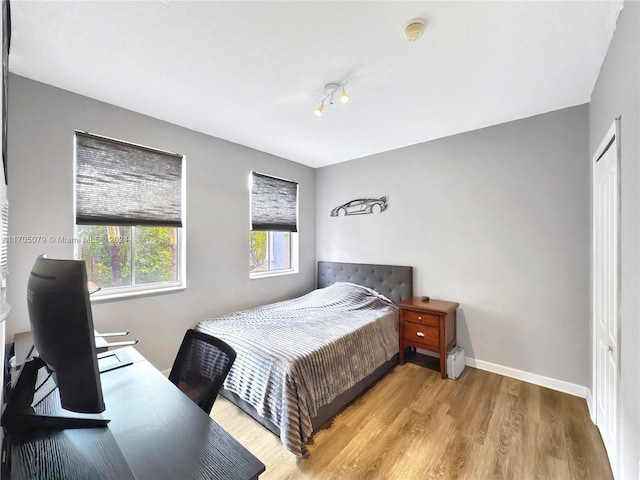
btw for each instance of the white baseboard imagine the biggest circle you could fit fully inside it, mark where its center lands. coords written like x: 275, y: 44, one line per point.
x: 552, y: 383
x: 591, y: 406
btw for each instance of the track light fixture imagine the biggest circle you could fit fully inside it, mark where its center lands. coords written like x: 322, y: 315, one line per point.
x: 331, y: 91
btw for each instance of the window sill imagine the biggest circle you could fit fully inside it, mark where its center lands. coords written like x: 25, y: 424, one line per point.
x: 278, y: 273
x: 143, y: 292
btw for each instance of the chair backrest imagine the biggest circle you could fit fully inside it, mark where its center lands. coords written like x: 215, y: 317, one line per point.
x: 201, y: 366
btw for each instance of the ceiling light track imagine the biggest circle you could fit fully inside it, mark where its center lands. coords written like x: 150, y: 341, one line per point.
x: 331, y: 96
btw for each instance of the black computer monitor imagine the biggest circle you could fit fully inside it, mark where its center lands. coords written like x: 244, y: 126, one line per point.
x: 64, y: 338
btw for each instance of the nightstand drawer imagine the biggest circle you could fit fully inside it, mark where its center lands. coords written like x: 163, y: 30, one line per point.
x: 423, y: 318
x: 416, y: 333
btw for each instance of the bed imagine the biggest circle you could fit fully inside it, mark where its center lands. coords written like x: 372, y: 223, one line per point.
x: 301, y: 361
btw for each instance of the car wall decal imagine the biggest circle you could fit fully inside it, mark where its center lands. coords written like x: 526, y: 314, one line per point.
x: 360, y: 206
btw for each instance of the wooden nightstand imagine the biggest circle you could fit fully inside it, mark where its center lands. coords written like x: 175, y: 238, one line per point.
x: 428, y: 325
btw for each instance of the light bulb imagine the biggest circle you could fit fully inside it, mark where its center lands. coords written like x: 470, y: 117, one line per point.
x: 318, y: 110
x: 344, y: 98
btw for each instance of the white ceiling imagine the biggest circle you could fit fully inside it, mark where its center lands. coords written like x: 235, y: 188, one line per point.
x: 253, y: 72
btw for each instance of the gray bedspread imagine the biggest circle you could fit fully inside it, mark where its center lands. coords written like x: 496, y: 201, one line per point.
x: 295, y: 356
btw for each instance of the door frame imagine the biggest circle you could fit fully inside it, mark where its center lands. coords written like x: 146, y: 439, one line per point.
x: 612, y: 135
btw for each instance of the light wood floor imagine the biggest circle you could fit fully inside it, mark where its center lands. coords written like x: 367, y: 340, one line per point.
x: 414, y: 425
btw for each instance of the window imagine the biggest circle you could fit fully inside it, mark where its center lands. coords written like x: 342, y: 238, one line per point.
x: 128, y: 216
x: 274, y: 225
x: 270, y: 252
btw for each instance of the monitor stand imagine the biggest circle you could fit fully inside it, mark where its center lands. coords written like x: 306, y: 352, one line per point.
x: 20, y: 415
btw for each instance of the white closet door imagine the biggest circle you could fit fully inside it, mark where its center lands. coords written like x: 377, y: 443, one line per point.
x: 606, y: 290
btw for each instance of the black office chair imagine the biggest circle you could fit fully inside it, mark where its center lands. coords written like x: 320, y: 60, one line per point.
x: 201, y: 366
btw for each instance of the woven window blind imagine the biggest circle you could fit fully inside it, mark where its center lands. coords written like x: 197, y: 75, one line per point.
x: 118, y: 183
x: 274, y: 204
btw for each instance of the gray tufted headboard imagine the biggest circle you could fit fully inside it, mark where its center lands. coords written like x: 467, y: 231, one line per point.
x: 393, y: 281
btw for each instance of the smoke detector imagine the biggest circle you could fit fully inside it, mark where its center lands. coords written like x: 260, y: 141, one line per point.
x: 414, y: 29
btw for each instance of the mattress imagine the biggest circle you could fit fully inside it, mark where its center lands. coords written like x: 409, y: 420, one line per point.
x: 296, y: 356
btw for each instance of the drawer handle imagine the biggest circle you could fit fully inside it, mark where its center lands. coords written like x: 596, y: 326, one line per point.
x: 419, y: 318
x: 420, y: 334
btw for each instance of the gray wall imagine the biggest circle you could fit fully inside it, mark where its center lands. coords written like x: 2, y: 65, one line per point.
x: 42, y: 120
x: 617, y: 94
x: 496, y: 219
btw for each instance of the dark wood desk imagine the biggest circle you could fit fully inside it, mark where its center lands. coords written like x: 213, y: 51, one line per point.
x: 156, y: 432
